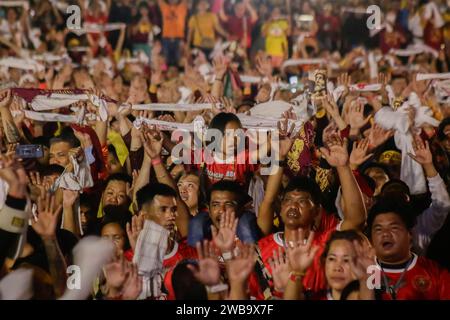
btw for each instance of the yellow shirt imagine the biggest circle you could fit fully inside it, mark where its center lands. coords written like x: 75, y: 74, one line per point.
x: 203, y: 26
x: 276, y: 38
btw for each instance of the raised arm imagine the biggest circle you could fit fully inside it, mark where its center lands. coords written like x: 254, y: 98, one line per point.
x: 152, y: 141
x: 45, y: 226
x: 266, y: 211
x: 433, y: 218
x: 336, y: 155
x: 251, y: 10
x: 9, y: 127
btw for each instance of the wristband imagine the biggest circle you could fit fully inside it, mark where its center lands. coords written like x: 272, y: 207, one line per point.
x: 295, y: 276
x: 217, y: 288
x: 227, y: 256
x: 156, y: 161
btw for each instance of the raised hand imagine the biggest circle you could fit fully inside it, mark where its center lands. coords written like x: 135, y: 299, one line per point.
x: 330, y: 106
x: 364, y: 257
x: 356, y: 116
x: 134, y: 229
x: 378, y: 136
x: 37, y: 183
x: 359, y: 153
x: 286, y: 136
x: 344, y: 80
x: 207, y: 271
x: 132, y: 286
x: 115, y: 273
x: 264, y: 66
x: 152, y: 140
x: 242, y: 265
x: 69, y: 197
x: 422, y: 153
x: 330, y: 129
x: 48, y: 216
x: 228, y: 105
x: 301, y: 253
x: 12, y: 171
x: 225, y: 237
x: 5, y: 99
x: 220, y: 66
x: 280, y: 270
x: 336, y: 152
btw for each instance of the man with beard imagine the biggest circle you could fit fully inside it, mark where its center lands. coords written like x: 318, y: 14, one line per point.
x: 301, y: 208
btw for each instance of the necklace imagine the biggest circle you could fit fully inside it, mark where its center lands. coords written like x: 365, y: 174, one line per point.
x: 392, y: 289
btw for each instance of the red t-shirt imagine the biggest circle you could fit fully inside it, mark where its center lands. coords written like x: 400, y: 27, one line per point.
x: 237, y: 171
x: 314, y: 279
x: 236, y: 30
x: 181, y: 250
x: 424, y: 280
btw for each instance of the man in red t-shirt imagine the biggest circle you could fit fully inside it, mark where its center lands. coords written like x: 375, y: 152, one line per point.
x: 240, y: 24
x: 301, y: 208
x: 403, y: 274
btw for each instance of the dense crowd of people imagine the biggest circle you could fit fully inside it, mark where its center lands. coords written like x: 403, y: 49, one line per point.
x: 225, y: 150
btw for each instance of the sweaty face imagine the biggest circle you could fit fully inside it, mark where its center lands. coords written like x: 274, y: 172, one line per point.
x: 390, y: 238
x: 221, y: 202
x: 162, y: 210
x: 115, y: 233
x: 337, y: 264
x: 188, y: 186
x: 115, y: 193
x: 59, y: 153
x: 298, y: 210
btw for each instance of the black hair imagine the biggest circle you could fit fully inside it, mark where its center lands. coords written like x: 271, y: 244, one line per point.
x: 230, y: 186
x: 391, y: 204
x: 149, y: 191
x: 378, y: 166
x: 221, y: 120
x: 305, y: 184
x: 396, y: 186
x: 68, y: 136
x: 42, y: 140
x: 52, y: 169
x: 112, y: 151
x: 185, y: 285
x: 119, y: 215
x: 440, y: 132
x: 349, y: 235
x: 119, y: 177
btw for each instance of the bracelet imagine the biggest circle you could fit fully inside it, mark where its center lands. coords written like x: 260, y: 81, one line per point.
x: 156, y: 161
x: 227, y: 256
x: 217, y: 288
x: 295, y: 276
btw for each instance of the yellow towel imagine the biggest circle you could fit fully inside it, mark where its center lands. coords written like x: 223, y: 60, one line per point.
x: 121, y: 149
